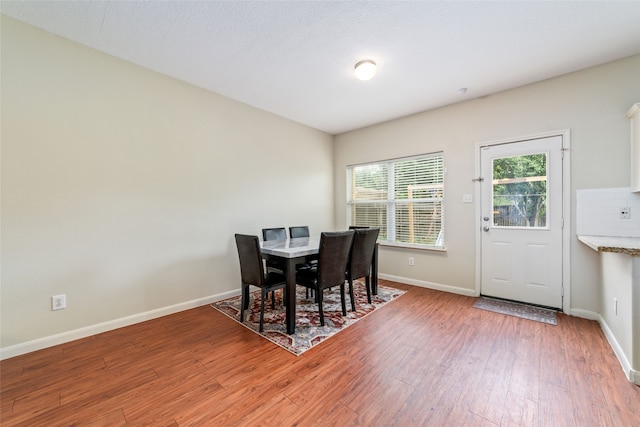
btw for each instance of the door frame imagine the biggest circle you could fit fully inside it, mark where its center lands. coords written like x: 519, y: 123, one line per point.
x: 566, y: 209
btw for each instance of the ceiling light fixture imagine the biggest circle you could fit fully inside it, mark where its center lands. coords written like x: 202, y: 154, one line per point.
x: 365, y: 70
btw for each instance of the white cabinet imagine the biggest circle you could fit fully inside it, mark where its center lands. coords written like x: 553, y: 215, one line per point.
x: 634, y: 116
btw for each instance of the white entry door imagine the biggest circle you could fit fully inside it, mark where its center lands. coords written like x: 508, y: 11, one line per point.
x: 522, y: 221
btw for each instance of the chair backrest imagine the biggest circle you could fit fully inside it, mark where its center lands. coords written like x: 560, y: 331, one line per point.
x: 301, y: 231
x: 274, y: 234
x: 251, y: 268
x: 364, y: 243
x: 357, y: 227
x: 333, y: 257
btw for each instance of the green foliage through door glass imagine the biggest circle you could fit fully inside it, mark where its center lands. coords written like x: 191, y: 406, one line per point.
x: 520, y: 191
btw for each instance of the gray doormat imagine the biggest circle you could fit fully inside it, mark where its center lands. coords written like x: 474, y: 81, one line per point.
x: 524, y: 311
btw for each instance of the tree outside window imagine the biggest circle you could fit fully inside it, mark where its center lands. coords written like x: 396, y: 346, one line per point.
x: 520, y: 191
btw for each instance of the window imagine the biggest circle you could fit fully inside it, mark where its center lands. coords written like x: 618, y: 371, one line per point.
x: 520, y: 191
x: 404, y: 197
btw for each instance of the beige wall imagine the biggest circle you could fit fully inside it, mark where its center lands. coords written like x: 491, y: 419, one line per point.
x: 591, y: 103
x: 617, y: 280
x: 122, y: 188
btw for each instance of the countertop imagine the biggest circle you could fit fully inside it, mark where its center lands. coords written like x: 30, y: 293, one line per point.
x: 623, y: 245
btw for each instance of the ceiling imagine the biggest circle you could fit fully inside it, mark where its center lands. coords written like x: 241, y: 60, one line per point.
x: 296, y: 58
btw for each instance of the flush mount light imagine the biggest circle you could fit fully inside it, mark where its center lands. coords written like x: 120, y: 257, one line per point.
x: 365, y: 70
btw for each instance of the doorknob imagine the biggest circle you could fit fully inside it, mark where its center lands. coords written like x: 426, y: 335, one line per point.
x: 485, y: 229
x: 486, y: 218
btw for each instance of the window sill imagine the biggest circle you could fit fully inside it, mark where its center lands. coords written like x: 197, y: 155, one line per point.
x: 413, y: 246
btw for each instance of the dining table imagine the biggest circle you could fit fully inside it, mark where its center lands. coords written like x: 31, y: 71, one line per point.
x: 301, y: 250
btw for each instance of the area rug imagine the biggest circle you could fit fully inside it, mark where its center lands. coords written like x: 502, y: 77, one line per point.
x: 511, y: 308
x: 308, y: 333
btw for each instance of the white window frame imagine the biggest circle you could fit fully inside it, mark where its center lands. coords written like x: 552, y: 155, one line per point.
x: 392, y: 203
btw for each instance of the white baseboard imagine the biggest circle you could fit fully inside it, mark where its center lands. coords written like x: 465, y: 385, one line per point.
x: 585, y: 314
x: 631, y: 374
x: 430, y: 285
x: 50, y: 341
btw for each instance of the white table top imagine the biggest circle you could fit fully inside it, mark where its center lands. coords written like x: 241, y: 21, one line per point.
x: 291, y: 248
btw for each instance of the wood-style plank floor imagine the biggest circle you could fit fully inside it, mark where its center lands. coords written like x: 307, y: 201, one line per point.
x: 426, y: 359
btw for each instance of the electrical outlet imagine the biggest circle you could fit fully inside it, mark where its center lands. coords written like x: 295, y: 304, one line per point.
x: 59, y: 302
x: 411, y: 260
x: 625, y: 212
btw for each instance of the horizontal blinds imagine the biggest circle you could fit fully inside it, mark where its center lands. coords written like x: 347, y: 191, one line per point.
x: 370, y: 182
x: 418, y: 195
x: 419, y: 178
x: 369, y: 194
x: 404, y: 198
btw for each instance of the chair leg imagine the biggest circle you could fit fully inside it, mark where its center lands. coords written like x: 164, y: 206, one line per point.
x: 309, y: 290
x: 244, y: 303
x: 353, y: 300
x: 245, y: 295
x: 264, y: 296
x: 368, y: 283
x: 273, y: 300
x: 342, y: 300
x: 319, y: 299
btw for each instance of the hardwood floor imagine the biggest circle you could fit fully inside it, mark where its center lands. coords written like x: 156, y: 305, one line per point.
x: 426, y: 359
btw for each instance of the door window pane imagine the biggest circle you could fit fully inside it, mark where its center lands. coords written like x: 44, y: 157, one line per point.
x: 520, y: 191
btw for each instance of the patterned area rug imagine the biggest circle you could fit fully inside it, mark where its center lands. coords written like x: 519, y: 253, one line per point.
x: 524, y: 311
x: 308, y: 333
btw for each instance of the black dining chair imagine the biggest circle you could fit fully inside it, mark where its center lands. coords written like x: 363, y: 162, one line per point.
x: 333, y: 258
x: 302, y: 231
x: 299, y: 231
x: 364, y: 243
x: 279, y: 233
x: 358, y: 227
x: 252, y: 273
x: 274, y: 234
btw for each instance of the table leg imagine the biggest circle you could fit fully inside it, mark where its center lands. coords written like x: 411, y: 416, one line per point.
x: 291, y: 296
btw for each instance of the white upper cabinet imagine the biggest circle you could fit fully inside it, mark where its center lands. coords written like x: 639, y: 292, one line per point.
x: 634, y: 116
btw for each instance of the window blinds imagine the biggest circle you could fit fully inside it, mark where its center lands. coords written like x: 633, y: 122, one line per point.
x: 403, y: 197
